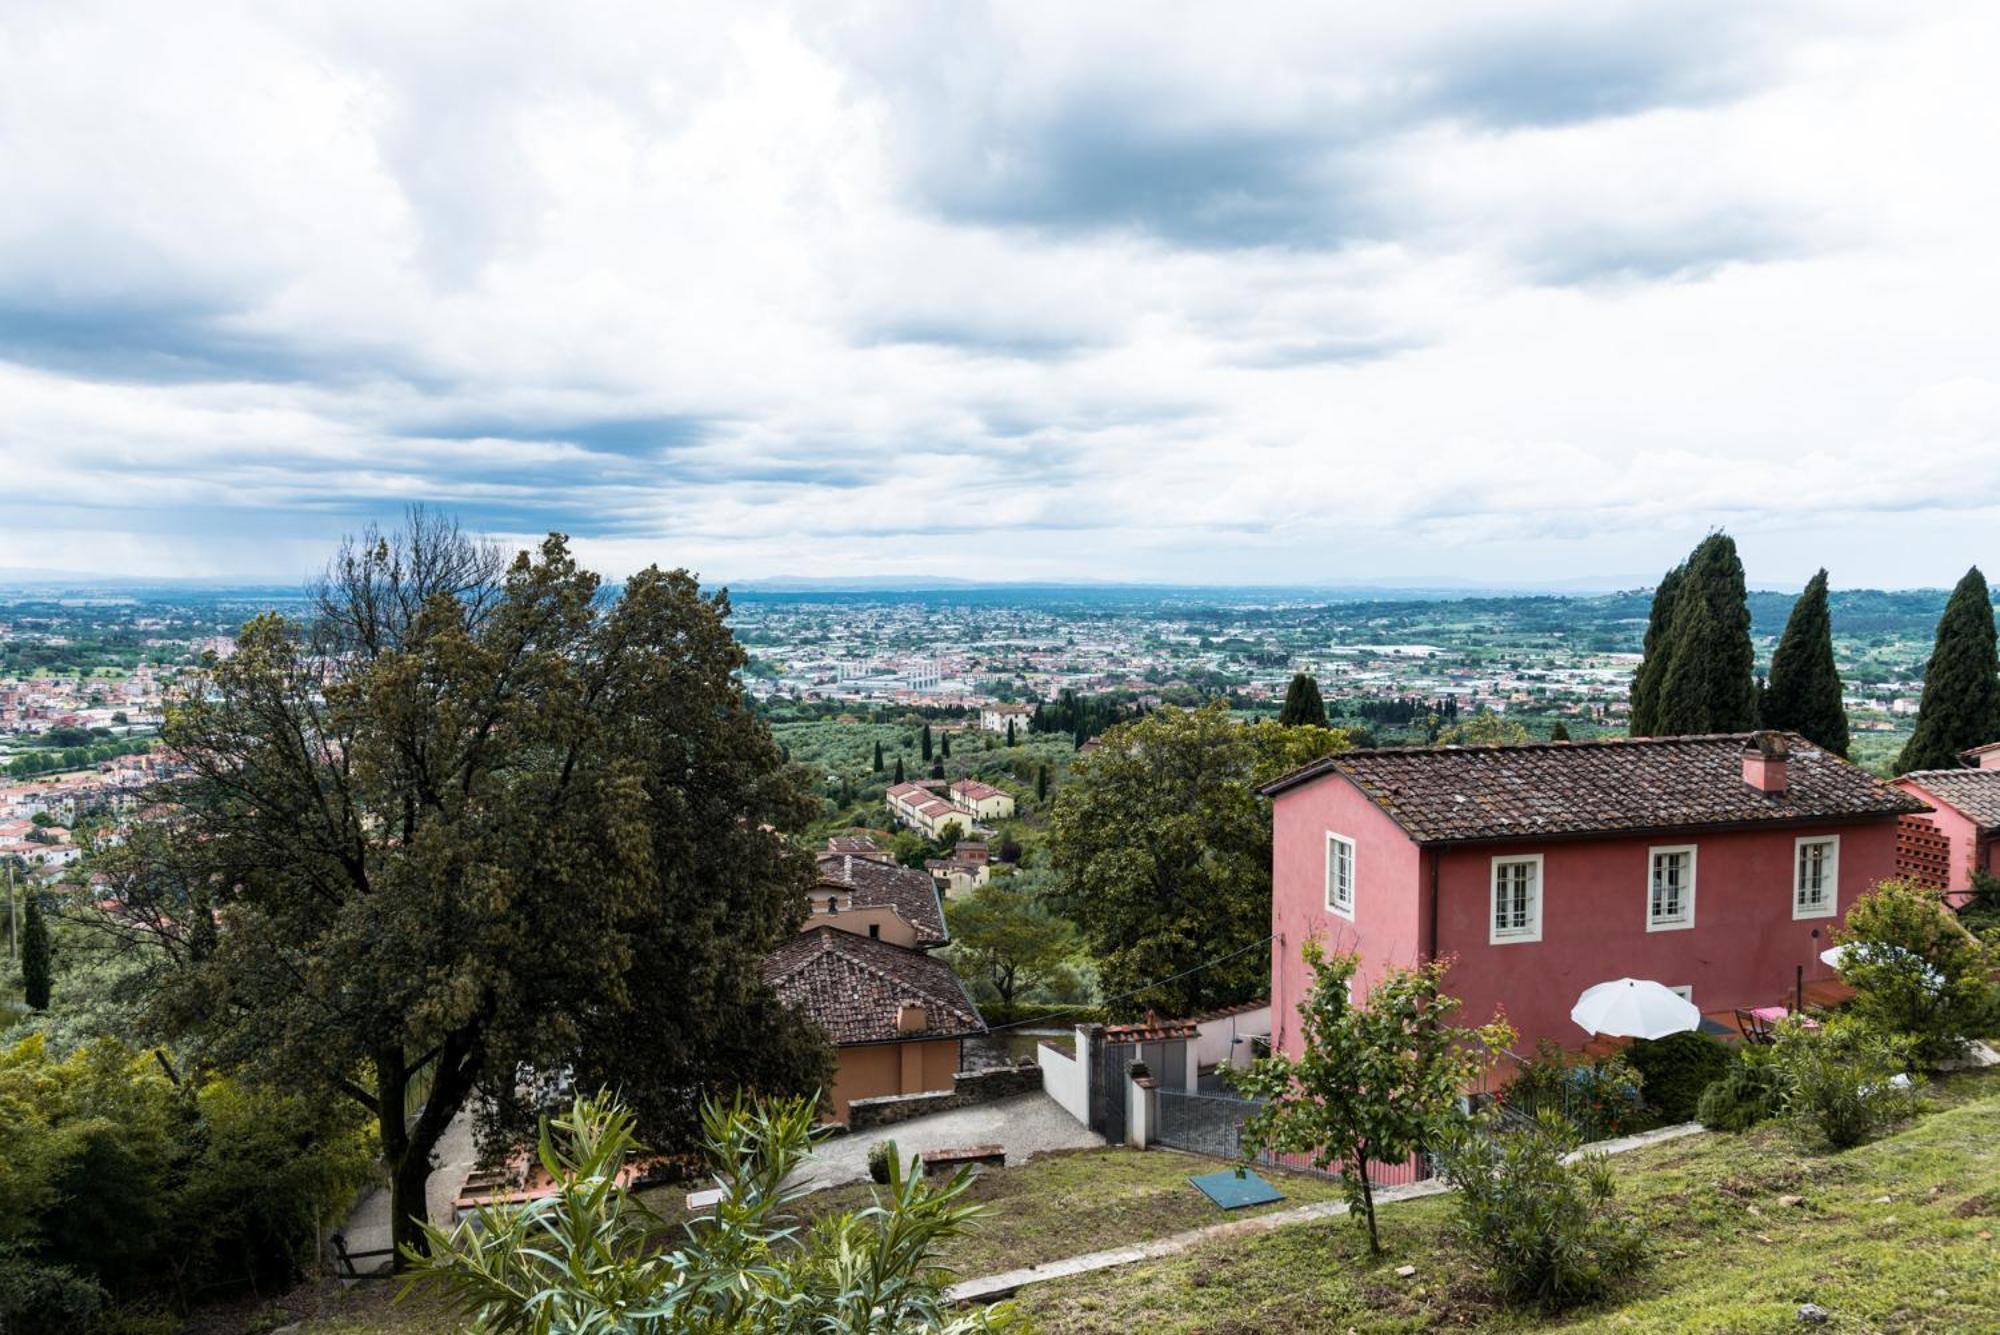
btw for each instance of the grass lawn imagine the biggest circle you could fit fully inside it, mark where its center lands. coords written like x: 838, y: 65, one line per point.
x: 1061, y: 1204
x: 1728, y: 1257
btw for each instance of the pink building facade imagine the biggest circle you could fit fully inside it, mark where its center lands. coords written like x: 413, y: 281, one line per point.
x: 1707, y: 864
x: 1965, y: 809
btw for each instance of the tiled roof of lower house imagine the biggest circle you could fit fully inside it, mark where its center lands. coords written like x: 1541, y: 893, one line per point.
x: 1976, y: 792
x: 855, y: 986
x: 1448, y: 794
x: 873, y: 884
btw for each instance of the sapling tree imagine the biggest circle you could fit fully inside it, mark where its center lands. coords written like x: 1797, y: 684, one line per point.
x: 1374, y: 1083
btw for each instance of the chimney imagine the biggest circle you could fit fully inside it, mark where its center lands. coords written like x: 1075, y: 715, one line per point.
x: 1764, y: 763
x: 910, y: 1017
x: 1986, y: 757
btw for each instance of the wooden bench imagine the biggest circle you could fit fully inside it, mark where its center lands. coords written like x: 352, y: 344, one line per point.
x: 943, y: 1161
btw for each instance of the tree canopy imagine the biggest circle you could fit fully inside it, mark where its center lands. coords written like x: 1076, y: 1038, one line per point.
x: 1960, y: 707
x: 1803, y: 692
x: 475, y: 826
x: 1004, y: 937
x: 1164, y: 849
x: 1303, y: 706
x: 1697, y: 676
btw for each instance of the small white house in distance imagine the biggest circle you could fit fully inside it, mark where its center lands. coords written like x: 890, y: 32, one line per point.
x: 982, y: 799
x: 994, y: 718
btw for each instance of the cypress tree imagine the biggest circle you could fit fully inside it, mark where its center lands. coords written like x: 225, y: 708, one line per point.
x: 1653, y: 665
x: 1559, y: 733
x: 1803, y: 693
x: 36, y: 954
x: 1707, y: 685
x: 1303, y: 706
x: 1010, y: 731
x: 1042, y: 784
x: 899, y: 770
x: 944, y: 741
x: 878, y: 756
x: 927, y: 741
x: 937, y: 770
x: 1961, y: 701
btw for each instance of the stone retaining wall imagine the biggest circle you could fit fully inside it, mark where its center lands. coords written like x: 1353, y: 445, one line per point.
x: 967, y: 1088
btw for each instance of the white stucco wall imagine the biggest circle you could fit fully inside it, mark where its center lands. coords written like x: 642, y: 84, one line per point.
x: 1067, y: 1079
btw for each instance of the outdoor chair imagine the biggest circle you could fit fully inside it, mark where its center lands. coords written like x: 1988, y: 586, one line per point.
x: 1755, y: 1028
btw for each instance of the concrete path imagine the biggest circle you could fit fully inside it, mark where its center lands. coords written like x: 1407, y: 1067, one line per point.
x: 992, y: 1288
x: 1026, y: 1124
x: 367, y: 1228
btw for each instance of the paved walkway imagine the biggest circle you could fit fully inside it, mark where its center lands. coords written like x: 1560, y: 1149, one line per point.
x: 455, y: 1156
x: 992, y: 1288
x: 1026, y: 1124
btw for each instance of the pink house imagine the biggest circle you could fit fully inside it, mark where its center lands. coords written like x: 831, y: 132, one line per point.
x: 1713, y: 864
x: 1965, y: 809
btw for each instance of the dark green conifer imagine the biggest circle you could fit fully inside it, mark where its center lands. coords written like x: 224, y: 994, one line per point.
x: 37, y: 955
x: 878, y: 757
x: 927, y: 741
x: 1042, y: 784
x: 1803, y: 693
x: 899, y: 770
x: 1303, y: 706
x: 1708, y: 684
x: 944, y: 743
x: 1010, y: 731
x: 1559, y: 733
x: 1653, y: 666
x: 1960, y: 708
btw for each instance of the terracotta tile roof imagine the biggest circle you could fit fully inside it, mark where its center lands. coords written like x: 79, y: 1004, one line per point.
x: 972, y: 790
x: 872, y: 884
x: 854, y: 987
x: 1152, y: 1029
x: 1976, y: 792
x: 1447, y: 794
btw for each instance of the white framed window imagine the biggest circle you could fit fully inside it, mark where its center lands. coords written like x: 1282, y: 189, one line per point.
x: 1685, y: 992
x: 1816, y: 876
x: 1340, y: 875
x: 1670, y: 888
x: 1517, y: 898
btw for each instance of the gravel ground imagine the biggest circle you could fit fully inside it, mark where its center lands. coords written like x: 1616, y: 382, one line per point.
x: 1027, y: 1124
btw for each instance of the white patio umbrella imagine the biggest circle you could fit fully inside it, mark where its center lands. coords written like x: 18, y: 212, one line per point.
x: 1634, y: 1008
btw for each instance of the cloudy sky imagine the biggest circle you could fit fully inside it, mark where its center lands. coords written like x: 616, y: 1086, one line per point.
x: 1216, y: 293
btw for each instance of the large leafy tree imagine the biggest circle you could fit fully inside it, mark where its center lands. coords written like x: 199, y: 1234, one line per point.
x: 1303, y: 705
x: 1803, y: 692
x: 1374, y: 1083
x: 1960, y: 707
x: 474, y: 827
x: 1164, y: 850
x: 1917, y: 972
x: 1707, y: 683
x: 1004, y: 936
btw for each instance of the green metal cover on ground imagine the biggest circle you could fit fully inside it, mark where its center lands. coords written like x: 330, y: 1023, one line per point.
x: 1236, y: 1188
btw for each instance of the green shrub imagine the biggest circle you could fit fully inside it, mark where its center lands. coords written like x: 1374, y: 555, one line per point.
x: 589, y: 1257
x: 1547, y: 1229
x: 1749, y: 1091
x: 1845, y: 1082
x: 1676, y: 1070
x: 1600, y: 1097
x: 1917, y: 972
x: 882, y: 1161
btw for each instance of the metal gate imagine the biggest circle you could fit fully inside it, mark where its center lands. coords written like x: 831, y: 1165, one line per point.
x: 1204, y: 1123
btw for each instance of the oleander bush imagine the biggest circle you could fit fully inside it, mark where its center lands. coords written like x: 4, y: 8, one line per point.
x: 1844, y: 1082
x: 1546, y: 1226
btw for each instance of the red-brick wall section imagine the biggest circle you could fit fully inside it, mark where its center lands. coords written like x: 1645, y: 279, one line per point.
x: 1923, y: 854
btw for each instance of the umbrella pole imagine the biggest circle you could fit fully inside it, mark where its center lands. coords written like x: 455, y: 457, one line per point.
x: 1799, y: 988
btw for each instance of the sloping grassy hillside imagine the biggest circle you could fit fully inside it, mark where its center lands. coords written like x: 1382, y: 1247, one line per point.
x: 1897, y: 1235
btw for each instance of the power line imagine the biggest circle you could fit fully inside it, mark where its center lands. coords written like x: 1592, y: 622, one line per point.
x: 1071, y: 1010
